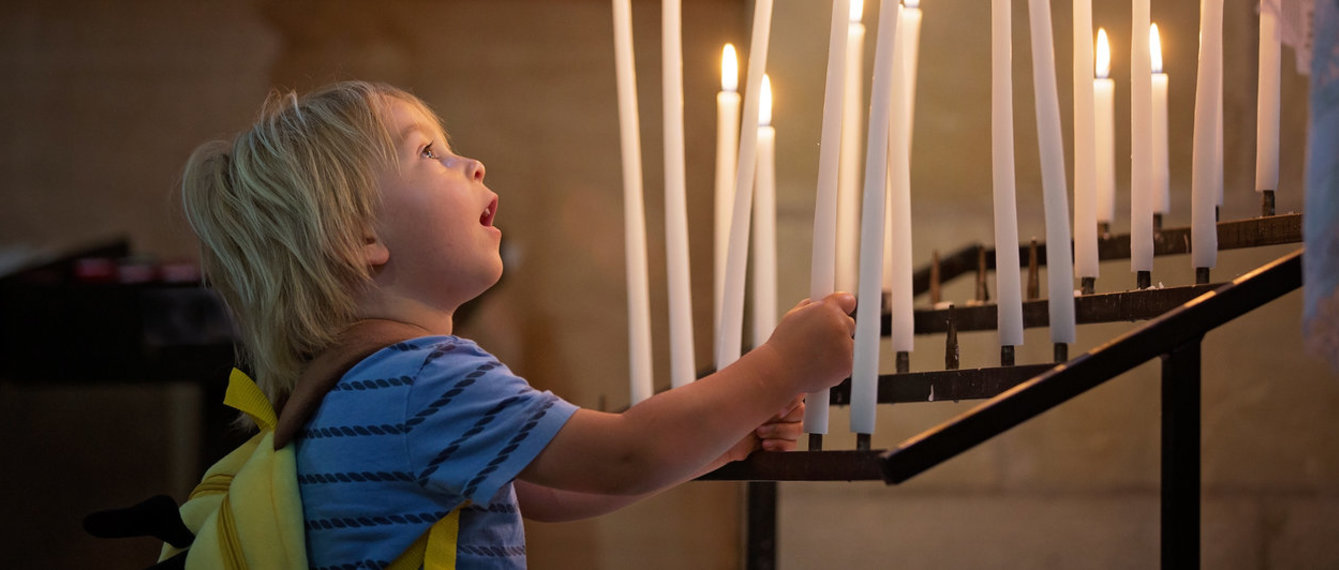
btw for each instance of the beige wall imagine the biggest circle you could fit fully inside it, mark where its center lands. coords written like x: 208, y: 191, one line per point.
x: 107, y: 99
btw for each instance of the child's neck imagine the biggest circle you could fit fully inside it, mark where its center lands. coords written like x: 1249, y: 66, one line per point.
x: 409, y: 311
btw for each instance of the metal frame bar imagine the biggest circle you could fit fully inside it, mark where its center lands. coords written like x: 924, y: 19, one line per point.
x: 1233, y: 234
x: 1066, y: 381
x: 1181, y: 456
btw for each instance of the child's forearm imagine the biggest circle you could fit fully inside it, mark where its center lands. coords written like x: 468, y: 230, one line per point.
x: 672, y: 435
x: 546, y: 504
x: 667, y: 438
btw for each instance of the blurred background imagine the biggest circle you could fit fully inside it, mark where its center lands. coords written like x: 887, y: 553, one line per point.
x: 114, y: 359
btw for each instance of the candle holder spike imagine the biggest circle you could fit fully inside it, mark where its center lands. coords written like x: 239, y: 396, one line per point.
x: 951, y: 352
x: 935, y: 293
x: 1143, y: 279
x: 1157, y: 223
x: 862, y: 442
x: 1088, y: 285
x: 1201, y: 275
x: 1061, y: 352
x: 1266, y: 202
x: 1007, y: 355
x: 815, y: 442
x: 1033, y: 271
x: 903, y: 362
x: 1103, y: 229
x: 982, y: 293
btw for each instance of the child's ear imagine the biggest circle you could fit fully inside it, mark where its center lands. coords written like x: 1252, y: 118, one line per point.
x: 375, y: 252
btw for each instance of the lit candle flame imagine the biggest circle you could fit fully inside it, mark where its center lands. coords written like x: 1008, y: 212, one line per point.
x: 765, y: 102
x: 1103, y: 54
x: 1155, y: 48
x: 857, y: 11
x: 729, y: 69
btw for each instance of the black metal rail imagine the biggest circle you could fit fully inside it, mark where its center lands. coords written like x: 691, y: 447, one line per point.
x: 1170, y: 332
x: 1134, y: 305
x: 1235, y: 234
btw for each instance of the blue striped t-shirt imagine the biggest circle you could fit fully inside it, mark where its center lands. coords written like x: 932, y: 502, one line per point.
x: 407, y: 435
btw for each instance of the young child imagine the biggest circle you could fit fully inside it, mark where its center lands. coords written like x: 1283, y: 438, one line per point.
x: 348, y: 205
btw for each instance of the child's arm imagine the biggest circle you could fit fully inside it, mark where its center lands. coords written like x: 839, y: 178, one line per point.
x: 546, y: 504
x: 669, y: 437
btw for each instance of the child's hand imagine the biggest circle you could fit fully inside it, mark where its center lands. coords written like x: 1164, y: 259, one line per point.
x: 814, y: 341
x: 780, y: 433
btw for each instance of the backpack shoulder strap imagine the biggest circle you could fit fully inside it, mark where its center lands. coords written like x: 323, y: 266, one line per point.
x: 435, y: 549
x: 357, y: 342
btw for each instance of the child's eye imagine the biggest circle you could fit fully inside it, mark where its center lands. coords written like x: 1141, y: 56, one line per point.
x: 429, y: 153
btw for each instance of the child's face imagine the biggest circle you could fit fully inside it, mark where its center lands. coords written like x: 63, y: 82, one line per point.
x: 436, y: 217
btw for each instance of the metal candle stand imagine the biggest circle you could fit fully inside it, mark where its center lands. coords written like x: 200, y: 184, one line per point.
x: 1174, y: 330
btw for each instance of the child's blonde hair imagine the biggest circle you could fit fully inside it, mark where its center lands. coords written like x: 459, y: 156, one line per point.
x: 283, y: 213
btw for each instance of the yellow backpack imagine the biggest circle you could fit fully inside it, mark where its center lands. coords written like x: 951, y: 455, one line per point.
x: 247, y: 510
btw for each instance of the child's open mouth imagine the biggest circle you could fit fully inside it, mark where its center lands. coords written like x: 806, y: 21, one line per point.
x: 487, y: 217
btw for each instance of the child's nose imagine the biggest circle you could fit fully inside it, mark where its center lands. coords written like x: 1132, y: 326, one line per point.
x: 476, y: 170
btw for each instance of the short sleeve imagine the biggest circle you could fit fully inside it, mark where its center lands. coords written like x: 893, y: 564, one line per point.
x: 472, y: 425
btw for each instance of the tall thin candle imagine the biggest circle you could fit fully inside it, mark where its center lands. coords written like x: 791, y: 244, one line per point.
x: 683, y: 369
x: 1161, y: 171
x: 727, y: 137
x: 848, y: 189
x: 1141, y: 141
x: 897, y: 275
x: 639, y: 298
x: 1203, y: 228
x: 731, y: 334
x: 865, y: 366
x: 1085, y: 144
x: 823, y: 273
x: 1104, y: 107
x: 1059, y: 260
x: 1008, y: 282
x: 764, y: 222
x: 1267, y: 100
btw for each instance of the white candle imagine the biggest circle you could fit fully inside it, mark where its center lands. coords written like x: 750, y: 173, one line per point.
x: 1267, y: 101
x: 1162, y: 200
x: 909, y: 39
x: 731, y: 332
x: 897, y: 274
x: 1217, y: 89
x: 727, y: 137
x: 1104, y: 107
x: 1141, y: 142
x: 848, y: 189
x: 1085, y: 144
x: 1059, y: 260
x: 639, y: 298
x: 683, y: 369
x: 865, y: 366
x: 764, y: 223
x: 1203, y: 229
x: 823, y: 271
x: 1008, y: 282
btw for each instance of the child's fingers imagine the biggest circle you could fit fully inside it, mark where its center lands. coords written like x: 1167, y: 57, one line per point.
x: 789, y: 430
